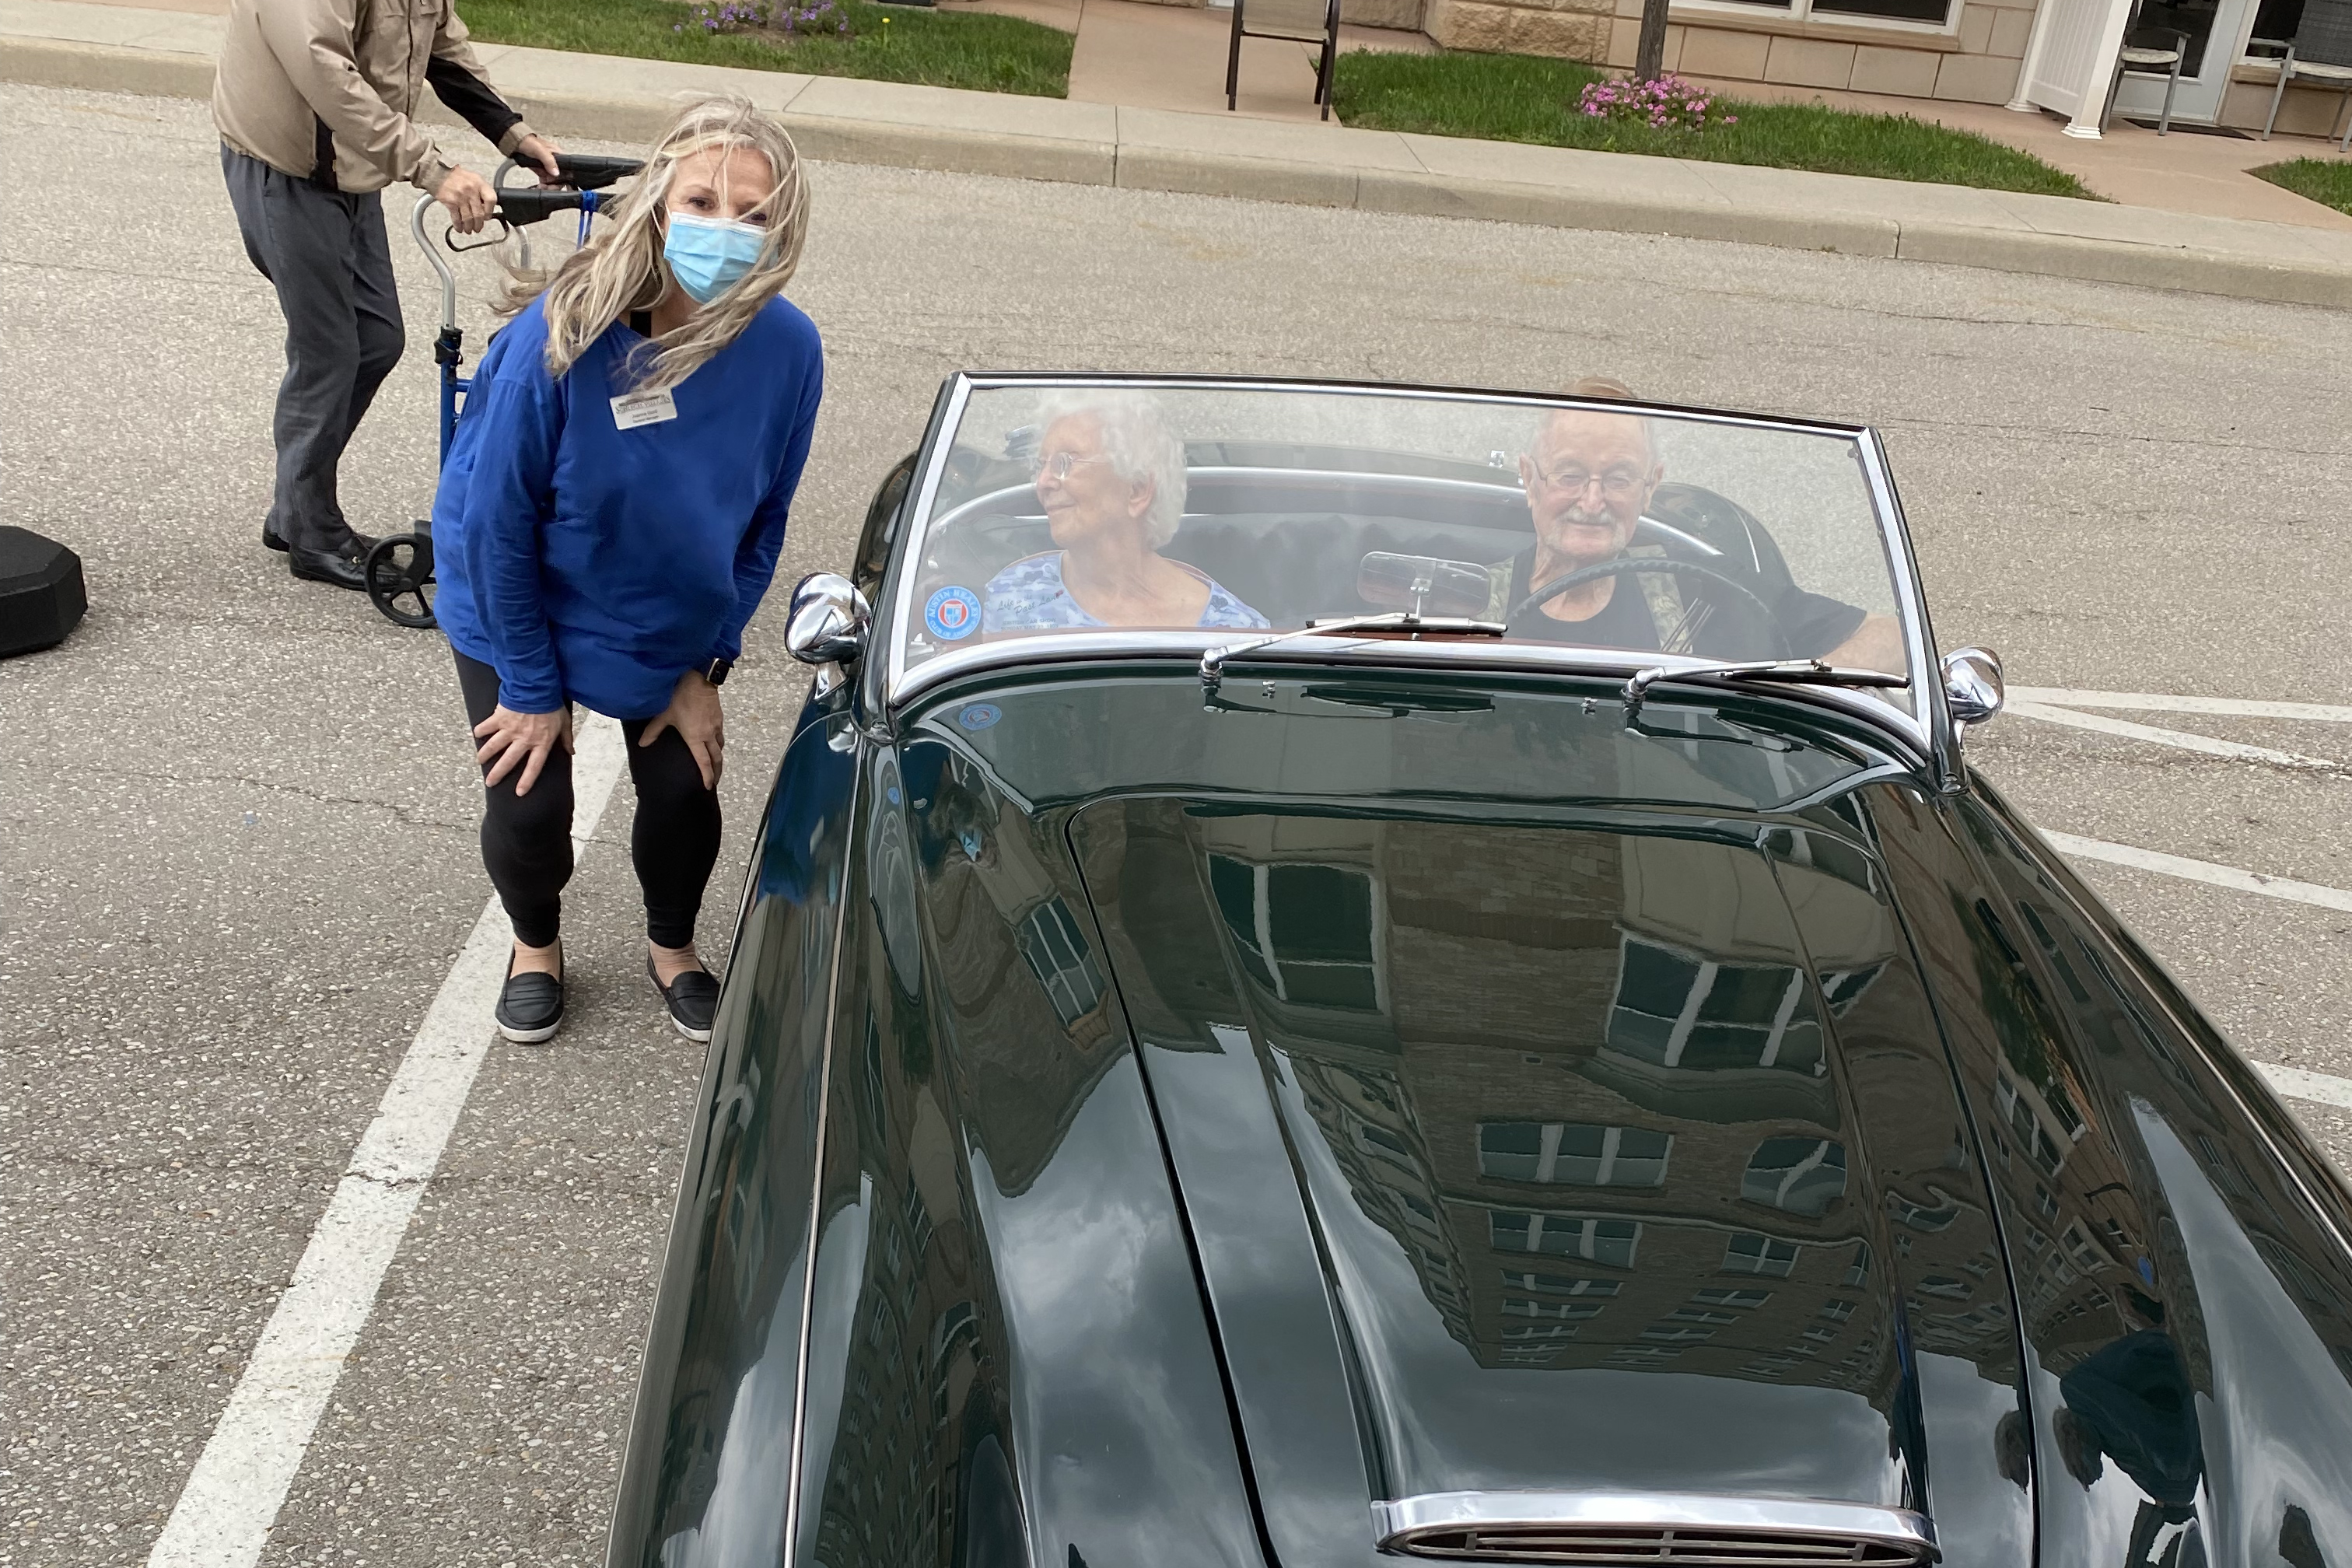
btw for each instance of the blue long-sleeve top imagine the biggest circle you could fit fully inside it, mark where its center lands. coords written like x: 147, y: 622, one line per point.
x: 592, y: 563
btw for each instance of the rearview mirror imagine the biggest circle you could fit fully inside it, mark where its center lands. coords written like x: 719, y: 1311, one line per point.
x: 1972, y: 685
x: 1422, y: 584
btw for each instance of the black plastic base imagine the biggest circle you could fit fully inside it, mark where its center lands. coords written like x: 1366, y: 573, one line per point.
x: 41, y: 594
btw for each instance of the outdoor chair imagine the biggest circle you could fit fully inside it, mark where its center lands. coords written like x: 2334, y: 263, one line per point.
x: 1300, y: 21
x: 2321, y: 52
x: 2142, y: 55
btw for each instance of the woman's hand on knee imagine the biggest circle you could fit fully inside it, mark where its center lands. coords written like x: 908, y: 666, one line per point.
x: 693, y: 712
x: 511, y: 739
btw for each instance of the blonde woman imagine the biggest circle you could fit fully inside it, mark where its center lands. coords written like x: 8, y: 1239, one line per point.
x: 609, y: 518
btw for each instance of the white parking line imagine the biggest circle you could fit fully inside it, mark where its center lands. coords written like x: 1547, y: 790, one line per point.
x: 227, y: 1509
x: 2231, y: 707
x: 2297, y: 1084
x: 2204, y: 872
x: 2236, y: 750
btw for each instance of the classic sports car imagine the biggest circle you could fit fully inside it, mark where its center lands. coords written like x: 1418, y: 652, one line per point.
x: 1343, y: 973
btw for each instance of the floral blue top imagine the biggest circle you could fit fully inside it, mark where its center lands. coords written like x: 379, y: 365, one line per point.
x: 1029, y: 596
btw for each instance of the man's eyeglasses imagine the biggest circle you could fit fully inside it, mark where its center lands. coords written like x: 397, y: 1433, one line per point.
x: 1057, y: 465
x: 1617, y: 484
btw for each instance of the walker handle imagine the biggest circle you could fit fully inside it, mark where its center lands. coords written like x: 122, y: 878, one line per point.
x: 595, y: 171
x: 520, y: 205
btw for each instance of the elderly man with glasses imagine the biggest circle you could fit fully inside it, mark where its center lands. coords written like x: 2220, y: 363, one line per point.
x: 1588, y: 476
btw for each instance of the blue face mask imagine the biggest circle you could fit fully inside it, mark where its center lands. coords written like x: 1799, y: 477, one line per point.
x: 707, y: 255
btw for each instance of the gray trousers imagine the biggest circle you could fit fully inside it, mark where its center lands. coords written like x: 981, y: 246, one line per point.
x: 324, y: 252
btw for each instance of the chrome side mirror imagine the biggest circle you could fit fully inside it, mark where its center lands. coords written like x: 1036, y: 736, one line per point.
x: 827, y: 625
x: 1972, y: 685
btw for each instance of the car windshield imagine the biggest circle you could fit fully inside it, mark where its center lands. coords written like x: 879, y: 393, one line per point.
x: 1204, y: 513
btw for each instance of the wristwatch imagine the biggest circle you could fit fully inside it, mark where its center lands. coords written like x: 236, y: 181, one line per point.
x: 716, y: 670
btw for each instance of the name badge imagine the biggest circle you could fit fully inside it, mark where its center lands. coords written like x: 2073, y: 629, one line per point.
x: 644, y: 408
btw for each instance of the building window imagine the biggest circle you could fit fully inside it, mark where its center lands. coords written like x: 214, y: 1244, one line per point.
x: 1748, y: 1253
x: 1551, y: 1311
x: 1934, y: 14
x: 1058, y: 956
x: 1539, y: 1332
x: 1919, y: 1216
x: 1696, y: 1315
x: 1558, y: 1284
x: 917, y: 1219
x: 1304, y: 931
x: 1580, y: 1156
x: 1704, y: 1016
x: 1675, y: 1334
x: 956, y: 1324
x: 1610, y: 1242
x: 1745, y: 1301
x: 1799, y: 1176
x: 1381, y: 1143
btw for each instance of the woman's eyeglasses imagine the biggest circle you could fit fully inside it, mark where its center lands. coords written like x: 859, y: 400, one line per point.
x: 1057, y: 465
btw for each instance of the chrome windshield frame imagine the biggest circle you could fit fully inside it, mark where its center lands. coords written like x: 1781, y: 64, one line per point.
x: 1926, y: 732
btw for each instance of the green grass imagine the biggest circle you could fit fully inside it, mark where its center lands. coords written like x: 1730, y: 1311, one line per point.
x: 990, y: 54
x: 2326, y: 181
x: 1518, y: 97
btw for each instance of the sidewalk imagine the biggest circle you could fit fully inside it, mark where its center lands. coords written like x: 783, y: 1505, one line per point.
x: 117, y: 47
x: 2188, y: 171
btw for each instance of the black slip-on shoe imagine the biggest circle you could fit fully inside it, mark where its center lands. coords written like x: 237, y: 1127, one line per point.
x: 273, y: 540
x: 531, y: 1006
x: 340, y: 568
x: 692, y: 1000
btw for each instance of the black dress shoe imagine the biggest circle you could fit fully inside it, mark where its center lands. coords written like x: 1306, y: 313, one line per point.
x: 273, y: 540
x: 340, y: 567
x: 531, y: 1006
x: 692, y: 999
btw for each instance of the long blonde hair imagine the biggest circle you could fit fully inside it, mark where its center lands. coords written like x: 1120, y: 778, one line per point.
x: 621, y: 269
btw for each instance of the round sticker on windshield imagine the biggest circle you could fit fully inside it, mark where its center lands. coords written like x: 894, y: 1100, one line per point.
x: 980, y: 716
x: 953, y: 613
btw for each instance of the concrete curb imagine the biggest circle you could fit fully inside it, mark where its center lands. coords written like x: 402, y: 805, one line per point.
x: 903, y: 144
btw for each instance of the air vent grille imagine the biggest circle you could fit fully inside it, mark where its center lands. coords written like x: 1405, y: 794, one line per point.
x: 1604, y: 1546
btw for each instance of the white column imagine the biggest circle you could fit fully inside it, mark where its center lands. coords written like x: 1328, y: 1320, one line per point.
x: 2027, y: 68
x: 2102, y: 75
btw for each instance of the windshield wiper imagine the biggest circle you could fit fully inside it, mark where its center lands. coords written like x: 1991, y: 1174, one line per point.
x: 1213, y: 663
x: 1793, y: 669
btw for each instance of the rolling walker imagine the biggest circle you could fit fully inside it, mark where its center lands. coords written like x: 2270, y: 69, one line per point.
x: 400, y: 566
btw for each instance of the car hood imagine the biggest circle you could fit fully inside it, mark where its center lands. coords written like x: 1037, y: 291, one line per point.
x: 1519, y: 1156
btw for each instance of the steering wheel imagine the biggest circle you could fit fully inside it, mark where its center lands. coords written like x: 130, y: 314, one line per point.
x: 1625, y: 565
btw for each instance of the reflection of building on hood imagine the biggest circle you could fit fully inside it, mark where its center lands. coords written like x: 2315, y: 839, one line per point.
x: 2132, y: 1403
x: 808, y: 798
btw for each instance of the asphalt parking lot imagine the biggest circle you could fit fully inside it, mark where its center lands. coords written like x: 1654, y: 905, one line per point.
x: 237, y: 814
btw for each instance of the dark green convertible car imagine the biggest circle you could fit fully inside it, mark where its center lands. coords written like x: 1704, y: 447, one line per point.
x: 1349, y: 973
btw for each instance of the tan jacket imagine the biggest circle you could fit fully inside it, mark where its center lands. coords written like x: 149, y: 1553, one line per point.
x: 295, y: 71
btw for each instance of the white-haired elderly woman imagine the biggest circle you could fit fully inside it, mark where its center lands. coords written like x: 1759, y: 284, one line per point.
x: 609, y: 518
x: 1110, y: 476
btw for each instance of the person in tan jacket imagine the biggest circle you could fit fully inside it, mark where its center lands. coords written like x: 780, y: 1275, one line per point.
x: 315, y: 103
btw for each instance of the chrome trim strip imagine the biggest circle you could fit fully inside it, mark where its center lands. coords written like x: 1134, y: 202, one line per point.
x: 799, y: 1439
x: 1398, y: 1523
x: 1929, y: 723
x: 994, y: 380
x: 926, y: 495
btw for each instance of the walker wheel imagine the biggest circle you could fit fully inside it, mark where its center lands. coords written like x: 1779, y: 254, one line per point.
x: 400, y: 579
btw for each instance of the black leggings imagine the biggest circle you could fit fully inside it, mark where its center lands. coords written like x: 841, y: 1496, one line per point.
x: 527, y: 839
